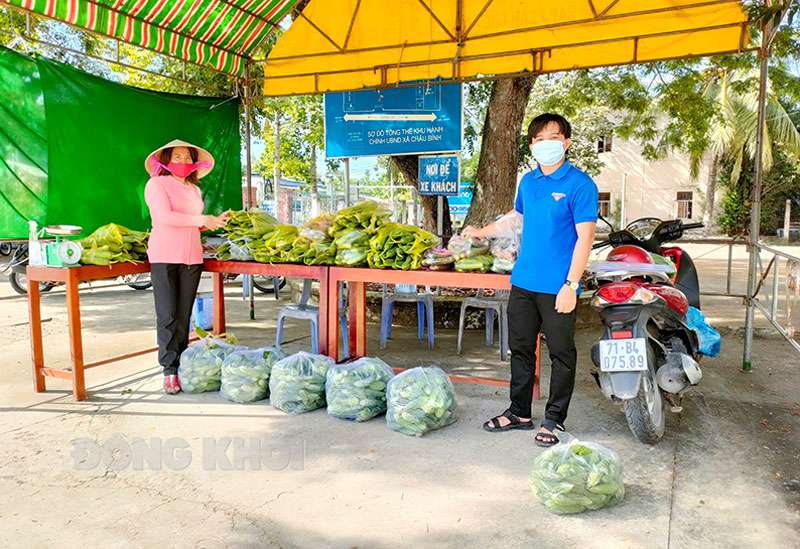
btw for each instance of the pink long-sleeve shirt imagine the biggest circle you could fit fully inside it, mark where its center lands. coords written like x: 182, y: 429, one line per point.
x: 177, y: 213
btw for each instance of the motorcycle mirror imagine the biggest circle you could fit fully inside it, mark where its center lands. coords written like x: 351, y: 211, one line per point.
x: 604, y: 220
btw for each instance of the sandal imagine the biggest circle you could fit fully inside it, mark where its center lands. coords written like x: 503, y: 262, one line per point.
x: 171, y: 385
x: 493, y: 425
x: 548, y: 439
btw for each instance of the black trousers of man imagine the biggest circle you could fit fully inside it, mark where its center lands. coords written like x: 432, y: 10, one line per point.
x: 174, y: 290
x: 528, y: 313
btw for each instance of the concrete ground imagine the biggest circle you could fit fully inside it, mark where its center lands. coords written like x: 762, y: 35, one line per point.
x: 727, y: 473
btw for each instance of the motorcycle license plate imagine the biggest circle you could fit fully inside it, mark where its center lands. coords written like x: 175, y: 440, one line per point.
x: 623, y: 355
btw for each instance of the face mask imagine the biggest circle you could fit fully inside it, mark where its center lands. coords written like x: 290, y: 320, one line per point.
x: 181, y: 169
x: 548, y: 153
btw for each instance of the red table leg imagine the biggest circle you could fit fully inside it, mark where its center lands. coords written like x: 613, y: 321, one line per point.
x: 37, y: 350
x: 219, y: 303
x: 323, y: 311
x: 75, y: 339
x: 333, y: 317
x: 360, y: 302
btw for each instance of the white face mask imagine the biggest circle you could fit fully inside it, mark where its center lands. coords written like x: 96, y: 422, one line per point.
x: 548, y: 152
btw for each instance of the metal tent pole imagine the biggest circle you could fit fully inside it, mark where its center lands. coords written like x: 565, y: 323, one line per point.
x: 248, y: 202
x: 755, y: 209
x: 346, y: 182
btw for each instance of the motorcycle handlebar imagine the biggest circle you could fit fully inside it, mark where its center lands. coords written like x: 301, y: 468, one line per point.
x: 692, y: 226
x: 601, y: 244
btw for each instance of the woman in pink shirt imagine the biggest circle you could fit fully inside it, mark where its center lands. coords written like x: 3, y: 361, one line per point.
x: 174, y: 248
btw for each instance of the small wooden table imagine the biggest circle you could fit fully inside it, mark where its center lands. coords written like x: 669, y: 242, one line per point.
x: 70, y: 277
x: 357, y: 277
x: 319, y: 272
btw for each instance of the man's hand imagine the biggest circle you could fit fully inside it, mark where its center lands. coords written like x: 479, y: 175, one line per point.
x: 566, y: 299
x: 474, y: 232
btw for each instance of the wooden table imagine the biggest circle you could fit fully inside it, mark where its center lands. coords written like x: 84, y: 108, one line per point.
x: 319, y: 272
x: 357, y: 277
x: 70, y: 277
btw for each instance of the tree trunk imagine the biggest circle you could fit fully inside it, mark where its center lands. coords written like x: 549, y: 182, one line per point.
x: 711, y: 190
x: 496, y: 181
x: 409, y: 167
x: 312, y: 182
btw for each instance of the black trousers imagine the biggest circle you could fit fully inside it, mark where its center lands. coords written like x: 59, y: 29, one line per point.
x: 174, y: 290
x: 528, y: 313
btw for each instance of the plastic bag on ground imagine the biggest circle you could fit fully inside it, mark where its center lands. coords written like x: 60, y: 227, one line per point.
x: 419, y: 400
x: 245, y: 374
x: 710, y: 340
x: 200, y: 367
x: 575, y: 476
x: 297, y: 382
x: 357, y: 390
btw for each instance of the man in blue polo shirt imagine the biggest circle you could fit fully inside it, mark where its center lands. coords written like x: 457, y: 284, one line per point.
x: 558, y: 205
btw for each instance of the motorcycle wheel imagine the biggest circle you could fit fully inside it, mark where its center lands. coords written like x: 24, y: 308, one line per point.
x: 264, y: 283
x: 138, y: 282
x: 6, y: 248
x: 646, y: 414
x: 19, y: 282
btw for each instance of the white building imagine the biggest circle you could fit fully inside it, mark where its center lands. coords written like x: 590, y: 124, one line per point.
x: 663, y: 189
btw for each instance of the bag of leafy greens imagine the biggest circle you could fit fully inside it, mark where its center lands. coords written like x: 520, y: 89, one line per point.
x: 575, y: 476
x: 357, y: 390
x: 297, y: 382
x: 245, y: 374
x: 200, y: 368
x: 420, y: 400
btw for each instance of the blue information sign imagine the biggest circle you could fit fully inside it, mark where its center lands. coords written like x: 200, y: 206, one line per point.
x: 409, y: 120
x: 439, y: 175
x: 459, y: 205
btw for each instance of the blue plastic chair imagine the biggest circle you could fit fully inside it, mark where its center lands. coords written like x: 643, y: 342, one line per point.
x: 407, y: 293
x: 492, y: 305
x: 302, y: 310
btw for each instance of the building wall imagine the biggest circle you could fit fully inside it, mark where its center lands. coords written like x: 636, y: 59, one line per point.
x: 651, y: 188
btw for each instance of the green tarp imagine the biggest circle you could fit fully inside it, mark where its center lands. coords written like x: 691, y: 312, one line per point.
x: 95, y: 135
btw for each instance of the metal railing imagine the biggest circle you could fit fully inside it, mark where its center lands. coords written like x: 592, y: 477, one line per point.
x: 771, y: 289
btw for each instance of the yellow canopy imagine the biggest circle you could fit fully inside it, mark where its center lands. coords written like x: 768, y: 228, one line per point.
x: 350, y: 44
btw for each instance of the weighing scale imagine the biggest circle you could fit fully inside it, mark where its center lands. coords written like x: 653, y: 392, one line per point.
x: 62, y: 253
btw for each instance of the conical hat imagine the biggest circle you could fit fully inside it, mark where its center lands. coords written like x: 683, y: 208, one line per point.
x: 203, y: 157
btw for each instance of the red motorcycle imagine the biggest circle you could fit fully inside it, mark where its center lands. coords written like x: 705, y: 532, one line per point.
x: 648, y: 352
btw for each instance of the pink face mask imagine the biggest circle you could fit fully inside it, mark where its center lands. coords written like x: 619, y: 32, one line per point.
x: 178, y: 169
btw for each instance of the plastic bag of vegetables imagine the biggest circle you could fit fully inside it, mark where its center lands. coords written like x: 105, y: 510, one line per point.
x: 420, y: 400
x: 245, y: 374
x: 352, y: 258
x: 465, y: 246
x: 477, y: 264
x: 350, y: 239
x: 502, y: 265
x: 253, y: 224
x: 365, y: 215
x: 297, y: 382
x: 320, y: 253
x: 399, y: 246
x: 575, y: 476
x: 200, y: 367
x: 316, y: 230
x: 237, y: 249
x: 357, y: 390
x: 438, y: 259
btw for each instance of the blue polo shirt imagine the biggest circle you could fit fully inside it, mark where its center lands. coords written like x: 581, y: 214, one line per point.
x: 551, y: 206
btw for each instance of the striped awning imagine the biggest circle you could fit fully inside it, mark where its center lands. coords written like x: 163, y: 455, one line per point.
x: 217, y: 34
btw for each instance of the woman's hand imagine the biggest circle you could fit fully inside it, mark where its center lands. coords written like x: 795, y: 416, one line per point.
x: 214, y: 222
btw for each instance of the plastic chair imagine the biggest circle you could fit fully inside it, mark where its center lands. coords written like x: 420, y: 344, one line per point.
x: 407, y: 293
x: 302, y: 310
x: 492, y: 305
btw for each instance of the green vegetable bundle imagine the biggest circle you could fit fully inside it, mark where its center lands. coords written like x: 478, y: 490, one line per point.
x: 245, y: 374
x: 477, y: 264
x: 275, y: 246
x: 114, y: 243
x: 237, y: 249
x: 352, y: 258
x: 574, y: 476
x: 200, y: 368
x: 661, y: 260
x: 297, y: 382
x: 367, y: 215
x: 350, y: 239
x: 420, y: 400
x: 398, y: 246
x: 317, y: 229
x: 252, y: 224
x: 357, y: 391
x: 500, y: 265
